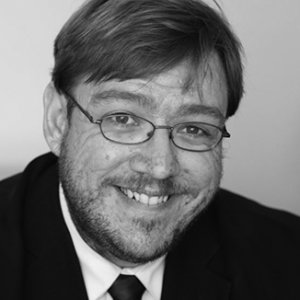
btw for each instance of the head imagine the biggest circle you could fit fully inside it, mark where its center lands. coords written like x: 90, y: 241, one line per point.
x: 166, y: 61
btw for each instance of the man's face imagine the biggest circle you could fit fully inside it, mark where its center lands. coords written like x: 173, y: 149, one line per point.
x: 104, y: 181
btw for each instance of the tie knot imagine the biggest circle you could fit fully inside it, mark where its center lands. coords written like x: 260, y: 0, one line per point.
x: 126, y: 287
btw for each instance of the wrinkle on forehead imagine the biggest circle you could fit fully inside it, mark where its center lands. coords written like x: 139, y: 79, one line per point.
x: 190, y: 78
x: 206, y: 83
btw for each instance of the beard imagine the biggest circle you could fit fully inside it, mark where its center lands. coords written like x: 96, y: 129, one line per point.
x: 145, y: 239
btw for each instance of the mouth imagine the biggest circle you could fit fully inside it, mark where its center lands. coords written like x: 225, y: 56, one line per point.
x: 144, y: 198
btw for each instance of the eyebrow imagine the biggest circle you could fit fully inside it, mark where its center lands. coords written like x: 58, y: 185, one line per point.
x: 136, y: 98
x: 149, y: 103
x: 200, y: 109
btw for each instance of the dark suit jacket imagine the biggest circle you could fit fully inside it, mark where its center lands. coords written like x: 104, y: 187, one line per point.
x: 237, y: 249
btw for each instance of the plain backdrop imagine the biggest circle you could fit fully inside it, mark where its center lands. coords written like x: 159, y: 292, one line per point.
x: 262, y: 159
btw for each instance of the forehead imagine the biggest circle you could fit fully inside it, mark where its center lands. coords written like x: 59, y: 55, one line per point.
x: 167, y: 91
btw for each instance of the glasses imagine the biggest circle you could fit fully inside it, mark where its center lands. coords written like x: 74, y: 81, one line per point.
x: 129, y: 129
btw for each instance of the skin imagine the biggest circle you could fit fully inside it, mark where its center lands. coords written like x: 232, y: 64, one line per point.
x: 92, y: 168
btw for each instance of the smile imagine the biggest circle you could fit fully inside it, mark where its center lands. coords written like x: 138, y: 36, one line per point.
x: 143, y: 198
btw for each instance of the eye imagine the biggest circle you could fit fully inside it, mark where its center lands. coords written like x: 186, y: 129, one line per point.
x: 122, y: 120
x: 194, y: 131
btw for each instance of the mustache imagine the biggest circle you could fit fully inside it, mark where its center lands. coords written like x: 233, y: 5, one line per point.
x: 143, y: 182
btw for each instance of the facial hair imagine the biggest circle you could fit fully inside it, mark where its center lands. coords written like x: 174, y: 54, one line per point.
x: 97, y: 230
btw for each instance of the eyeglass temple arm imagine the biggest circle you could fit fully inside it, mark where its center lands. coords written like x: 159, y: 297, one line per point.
x: 225, y: 133
x: 91, y: 119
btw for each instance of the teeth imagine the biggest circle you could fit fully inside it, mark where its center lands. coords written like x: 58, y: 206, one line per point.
x: 154, y: 200
x: 142, y: 198
x: 129, y: 193
x: 136, y: 196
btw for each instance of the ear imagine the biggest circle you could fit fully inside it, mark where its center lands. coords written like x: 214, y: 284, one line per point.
x: 55, y: 118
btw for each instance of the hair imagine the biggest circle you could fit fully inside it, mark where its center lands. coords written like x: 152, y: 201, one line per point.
x: 125, y: 39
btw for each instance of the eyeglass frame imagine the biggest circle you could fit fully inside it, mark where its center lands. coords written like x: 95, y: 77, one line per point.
x: 223, y: 130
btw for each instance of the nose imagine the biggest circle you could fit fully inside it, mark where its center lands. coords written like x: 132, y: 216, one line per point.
x: 157, y: 157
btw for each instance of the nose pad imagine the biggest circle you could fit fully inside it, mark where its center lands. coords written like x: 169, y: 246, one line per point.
x: 157, y: 157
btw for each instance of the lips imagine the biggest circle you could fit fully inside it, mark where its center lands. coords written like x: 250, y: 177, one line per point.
x: 144, y: 198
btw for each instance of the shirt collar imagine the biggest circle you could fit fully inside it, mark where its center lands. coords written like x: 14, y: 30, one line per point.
x: 99, y: 273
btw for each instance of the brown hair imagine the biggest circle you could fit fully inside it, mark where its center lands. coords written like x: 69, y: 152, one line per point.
x: 125, y: 39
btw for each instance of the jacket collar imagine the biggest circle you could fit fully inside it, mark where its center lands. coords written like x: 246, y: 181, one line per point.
x: 53, y: 268
x: 40, y: 261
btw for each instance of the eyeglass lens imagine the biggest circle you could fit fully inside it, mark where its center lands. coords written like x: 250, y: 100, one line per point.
x: 129, y: 129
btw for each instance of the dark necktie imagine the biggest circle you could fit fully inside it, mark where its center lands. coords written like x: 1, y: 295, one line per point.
x: 126, y: 287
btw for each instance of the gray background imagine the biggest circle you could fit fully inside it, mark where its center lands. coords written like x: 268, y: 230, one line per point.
x: 262, y: 159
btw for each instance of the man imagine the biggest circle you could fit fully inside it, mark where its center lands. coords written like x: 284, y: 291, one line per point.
x: 135, y: 116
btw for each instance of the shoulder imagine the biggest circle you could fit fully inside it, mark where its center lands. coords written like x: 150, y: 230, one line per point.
x: 7, y: 189
x: 7, y: 185
x: 11, y: 186
x: 241, y: 213
x: 257, y: 237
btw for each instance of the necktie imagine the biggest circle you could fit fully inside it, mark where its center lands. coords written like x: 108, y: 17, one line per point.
x: 126, y: 287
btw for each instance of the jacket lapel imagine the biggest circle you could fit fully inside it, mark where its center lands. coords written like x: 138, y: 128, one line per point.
x: 53, y: 269
x: 43, y: 264
x: 194, y: 269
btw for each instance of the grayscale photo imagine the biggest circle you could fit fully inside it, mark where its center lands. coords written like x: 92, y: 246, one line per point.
x: 149, y: 150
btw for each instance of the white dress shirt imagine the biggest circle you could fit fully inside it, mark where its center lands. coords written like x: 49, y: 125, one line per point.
x: 99, y: 273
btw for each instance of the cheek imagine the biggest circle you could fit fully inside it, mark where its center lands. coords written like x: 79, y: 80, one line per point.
x: 204, y: 167
x: 203, y: 172
x: 214, y: 162
x: 92, y: 154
